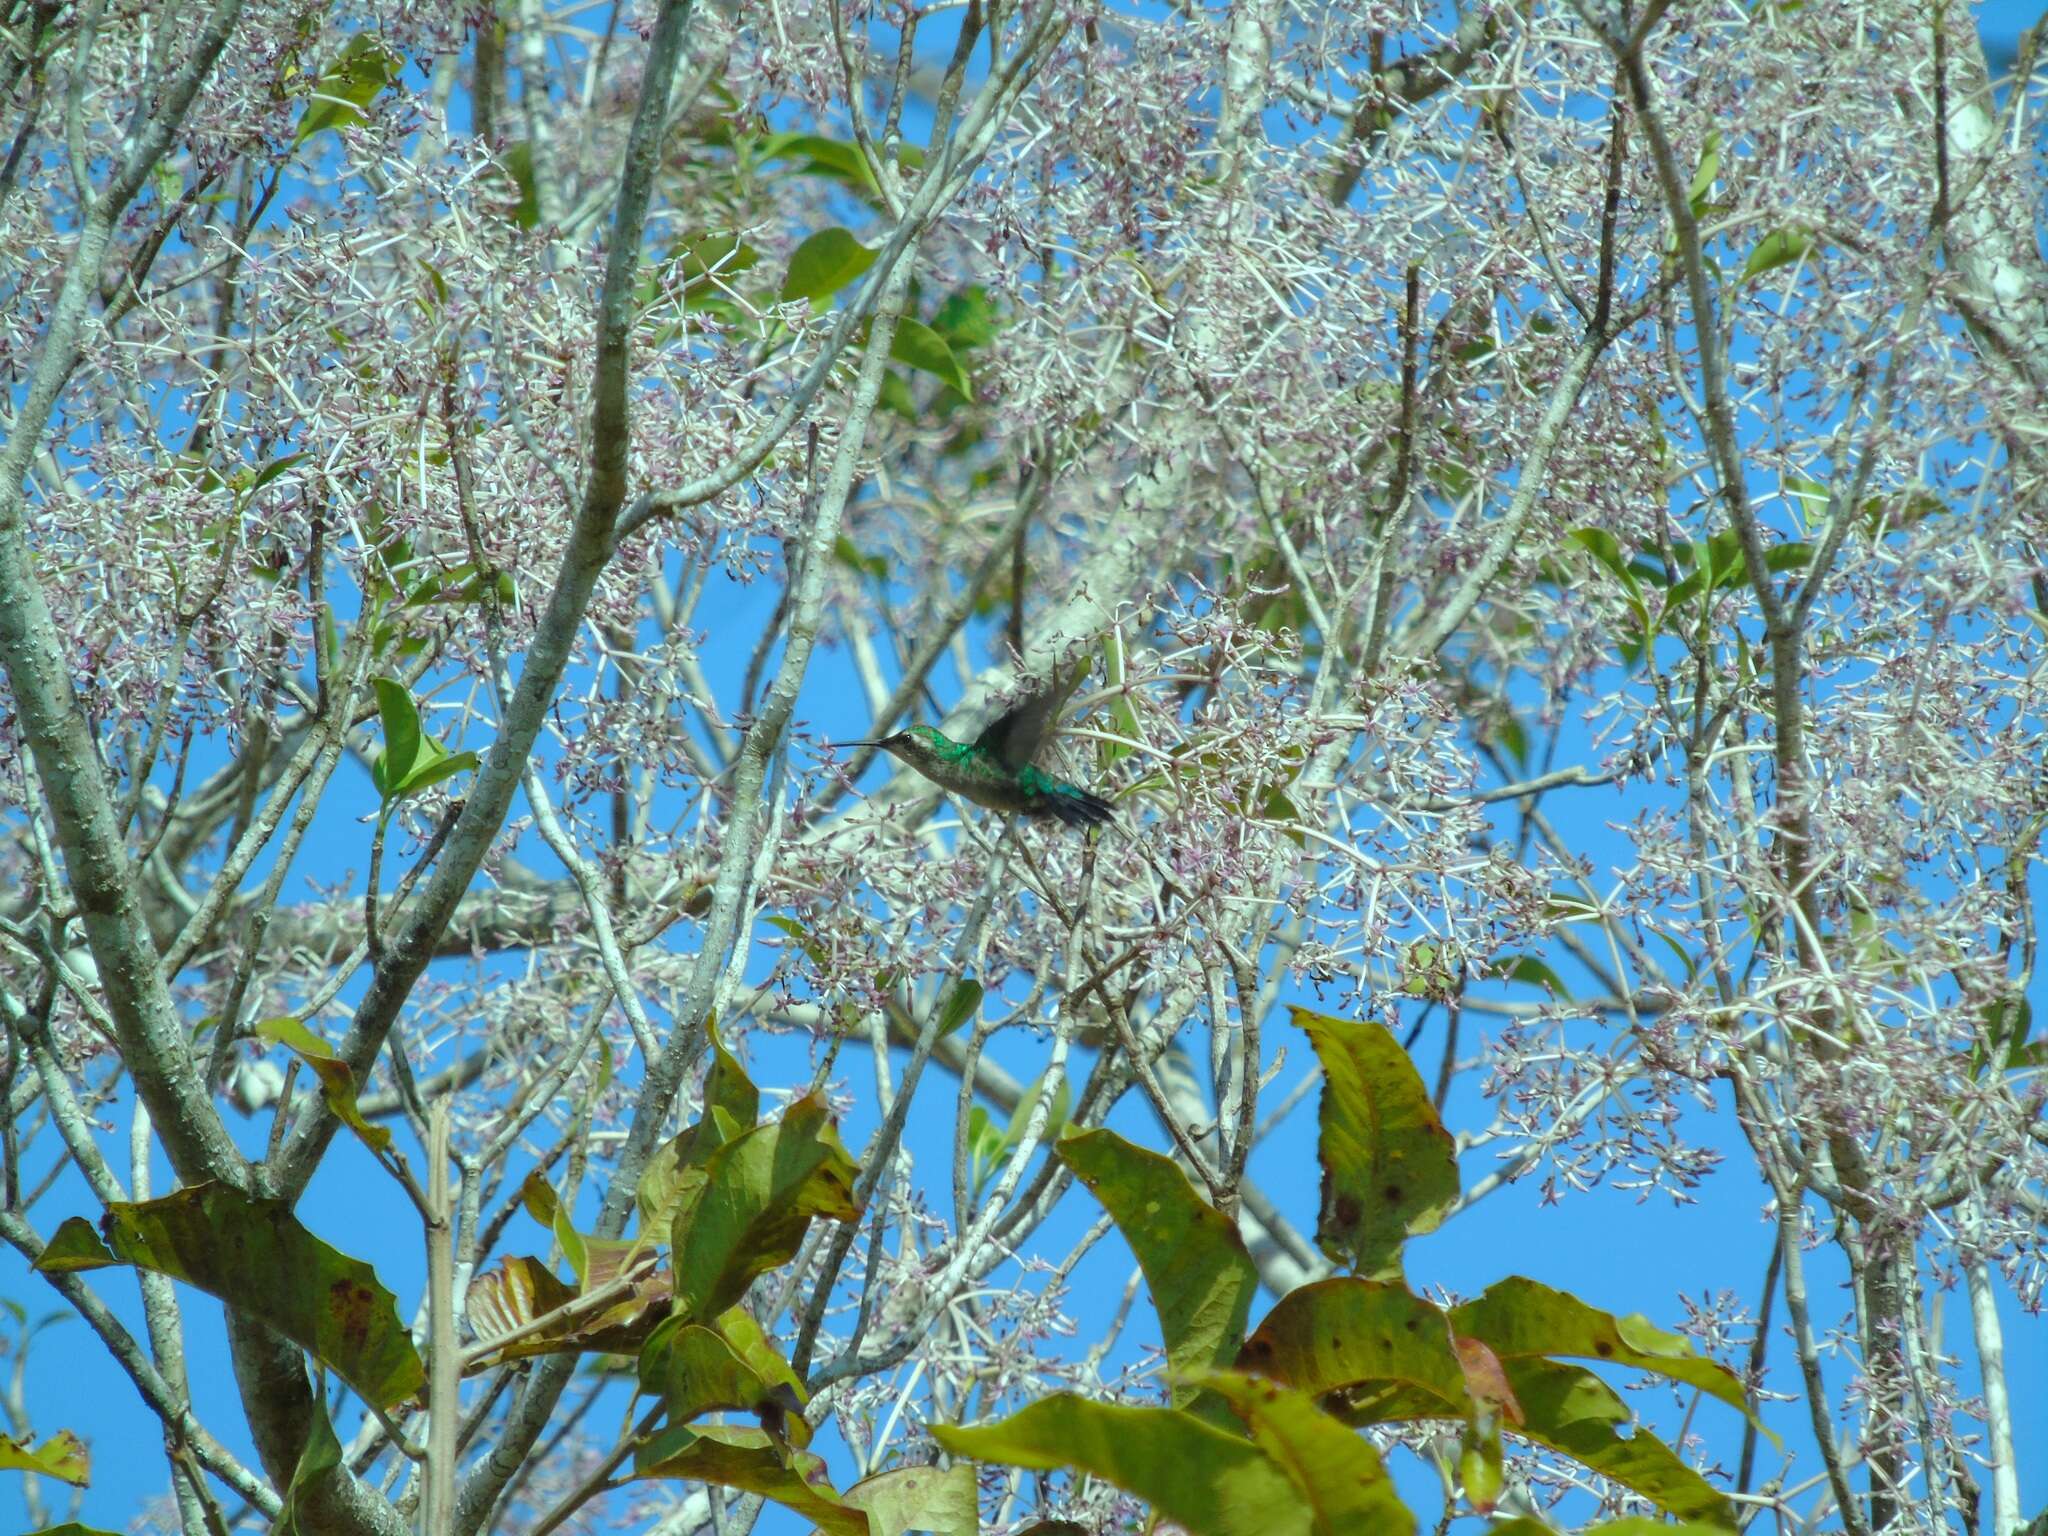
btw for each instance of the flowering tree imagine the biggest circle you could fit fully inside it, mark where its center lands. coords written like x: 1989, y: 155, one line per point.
x: 1402, y: 430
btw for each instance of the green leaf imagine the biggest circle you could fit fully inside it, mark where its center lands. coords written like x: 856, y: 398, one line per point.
x: 347, y: 86
x: 1780, y: 248
x: 756, y: 1199
x: 1520, y: 1318
x: 963, y: 1001
x: 1367, y: 1338
x: 967, y: 319
x: 694, y: 1370
x: 1604, y: 547
x: 320, y: 1456
x: 411, y: 760
x: 1020, y: 1120
x: 822, y: 157
x: 74, y: 1246
x: 73, y: 1528
x: 62, y: 1456
x: 825, y: 263
x: 942, y: 1501
x: 1533, y: 972
x: 1572, y: 1411
x: 1201, y: 1278
x: 517, y: 158
x: 1333, y: 1467
x: 919, y: 346
x: 254, y: 1255
x: 750, y: 1460
x: 1209, y: 1481
x: 1122, y: 715
x: 984, y: 1148
x: 337, y: 1082
x: 1708, y: 173
x: 1389, y: 1167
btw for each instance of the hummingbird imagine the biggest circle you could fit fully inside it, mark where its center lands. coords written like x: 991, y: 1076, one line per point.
x: 995, y: 769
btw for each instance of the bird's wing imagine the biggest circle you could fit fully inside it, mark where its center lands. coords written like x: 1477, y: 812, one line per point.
x: 1013, y: 738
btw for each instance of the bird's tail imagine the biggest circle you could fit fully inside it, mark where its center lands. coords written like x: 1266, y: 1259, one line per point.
x: 1075, y: 807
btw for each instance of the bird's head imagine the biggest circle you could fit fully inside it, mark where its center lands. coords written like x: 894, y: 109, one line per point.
x: 918, y: 745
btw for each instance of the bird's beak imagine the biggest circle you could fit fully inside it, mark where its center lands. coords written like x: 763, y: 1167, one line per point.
x: 835, y: 746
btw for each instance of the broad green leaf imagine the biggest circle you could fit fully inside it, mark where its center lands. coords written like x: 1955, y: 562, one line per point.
x: 337, y: 1082
x: 963, y: 1000
x: 1533, y: 972
x: 1389, y: 1167
x: 1209, y: 1481
x: 1521, y: 1318
x: 750, y: 1460
x: 517, y: 158
x: 74, y: 1246
x: 919, y: 346
x: 759, y: 1193
x: 824, y: 157
x: 1020, y: 1120
x: 941, y: 1501
x: 825, y: 263
x: 73, y: 1528
x: 411, y: 760
x: 254, y: 1255
x: 709, y: 259
x: 321, y: 1455
x: 1202, y: 1280
x: 1574, y: 1412
x: 738, y: 1328
x: 1333, y: 1467
x: 1604, y: 547
x: 1122, y: 715
x: 1363, y: 1338
x: 402, y: 736
x: 1780, y: 248
x: 967, y: 318
x: 695, y: 1370
x: 1708, y: 173
x: 984, y: 1148
x: 62, y: 1456
x: 347, y: 86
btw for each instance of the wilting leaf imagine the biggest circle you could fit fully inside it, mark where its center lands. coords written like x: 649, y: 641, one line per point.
x: 1389, y: 1166
x: 942, y: 1502
x: 749, y: 1459
x: 1211, y: 1482
x: 759, y: 1193
x: 62, y: 1456
x: 1333, y: 1467
x: 337, y: 1082
x: 1202, y: 1280
x: 254, y: 1255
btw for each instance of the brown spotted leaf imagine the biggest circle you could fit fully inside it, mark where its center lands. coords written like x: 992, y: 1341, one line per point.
x: 1390, y: 1169
x: 254, y: 1255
